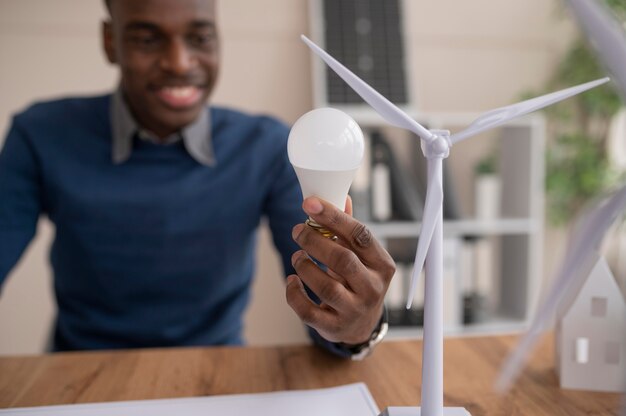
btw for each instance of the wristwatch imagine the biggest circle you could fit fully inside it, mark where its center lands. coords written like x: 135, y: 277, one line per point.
x: 361, y: 351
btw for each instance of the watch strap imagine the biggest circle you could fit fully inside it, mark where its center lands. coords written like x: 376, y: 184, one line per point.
x: 360, y: 351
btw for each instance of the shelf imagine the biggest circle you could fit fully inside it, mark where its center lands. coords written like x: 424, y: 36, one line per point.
x: 454, y: 228
x: 497, y: 325
x: 505, y: 267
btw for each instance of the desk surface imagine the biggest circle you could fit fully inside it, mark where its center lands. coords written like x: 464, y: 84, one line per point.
x: 392, y: 373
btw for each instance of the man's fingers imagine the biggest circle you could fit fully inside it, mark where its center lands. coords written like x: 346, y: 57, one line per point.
x: 321, y: 319
x: 355, y: 235
x: 329, y: 290
x: 336, y: 257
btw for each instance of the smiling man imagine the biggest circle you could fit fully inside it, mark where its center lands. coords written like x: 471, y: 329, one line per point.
x: 168, y: 54
x: 156, y: 200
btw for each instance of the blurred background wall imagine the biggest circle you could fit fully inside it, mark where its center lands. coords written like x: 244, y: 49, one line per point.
x: 465, y: 56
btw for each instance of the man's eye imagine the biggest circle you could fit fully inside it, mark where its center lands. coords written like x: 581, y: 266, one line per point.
x: 145, y: 41
x: 201, y: 40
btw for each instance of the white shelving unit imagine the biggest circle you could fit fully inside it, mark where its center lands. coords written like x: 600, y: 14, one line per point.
x: 517, y: 234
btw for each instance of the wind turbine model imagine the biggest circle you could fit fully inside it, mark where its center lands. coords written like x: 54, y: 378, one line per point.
x: 609, y: 41
x: 436, y: 147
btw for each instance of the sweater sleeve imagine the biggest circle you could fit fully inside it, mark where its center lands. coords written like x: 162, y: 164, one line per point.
x: 20, y: 194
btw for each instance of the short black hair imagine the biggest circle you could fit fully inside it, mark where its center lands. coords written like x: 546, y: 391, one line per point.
x: 107, y: 3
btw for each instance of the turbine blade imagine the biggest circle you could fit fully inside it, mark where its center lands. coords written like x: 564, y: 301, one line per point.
x: 572, y: 274
x: 501, y: 115
x: 382, y: 105
x: 606, y: 36
x: 432, y: 210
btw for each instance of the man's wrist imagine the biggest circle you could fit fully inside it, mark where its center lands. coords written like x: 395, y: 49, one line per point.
x: 360, y: 351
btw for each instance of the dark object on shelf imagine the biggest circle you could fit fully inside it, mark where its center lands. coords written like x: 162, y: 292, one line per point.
x: 407, y: 203
x: 361, y: 207
x: 402, y: 249
x: 380, y: 178
x: 400, y: 317
x: 474, y: 308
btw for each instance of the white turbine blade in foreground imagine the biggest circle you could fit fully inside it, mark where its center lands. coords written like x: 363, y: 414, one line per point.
x: 606, y: 35
x: 588, y: 237
x: 501, y: 115
x: 383, y: 106
x: 432, y: 209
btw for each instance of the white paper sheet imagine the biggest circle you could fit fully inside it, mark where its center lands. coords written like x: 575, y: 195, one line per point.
x: 347, y: 400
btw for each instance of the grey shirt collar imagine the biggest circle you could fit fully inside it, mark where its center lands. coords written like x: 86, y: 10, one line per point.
x: 196, y: 136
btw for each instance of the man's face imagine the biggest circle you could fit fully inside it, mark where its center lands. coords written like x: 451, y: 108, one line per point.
x: 168, y: 53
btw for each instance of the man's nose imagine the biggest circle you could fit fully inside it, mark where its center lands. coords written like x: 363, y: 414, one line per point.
x: 177, y: 58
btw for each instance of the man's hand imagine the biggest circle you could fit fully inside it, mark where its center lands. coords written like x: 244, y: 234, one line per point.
x: 353, y: 288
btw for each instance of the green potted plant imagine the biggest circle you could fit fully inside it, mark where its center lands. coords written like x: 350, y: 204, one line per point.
x: 577, y: 162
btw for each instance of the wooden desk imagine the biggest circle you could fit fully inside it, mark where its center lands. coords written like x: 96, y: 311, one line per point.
x: 392, y: 373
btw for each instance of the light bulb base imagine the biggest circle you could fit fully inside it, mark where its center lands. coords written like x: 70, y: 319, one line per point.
x: 326, y: 233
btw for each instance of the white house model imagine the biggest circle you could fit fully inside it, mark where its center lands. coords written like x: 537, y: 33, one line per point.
x: 591, y: 334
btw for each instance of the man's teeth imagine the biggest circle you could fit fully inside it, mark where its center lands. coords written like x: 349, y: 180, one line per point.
x: 180, y: 92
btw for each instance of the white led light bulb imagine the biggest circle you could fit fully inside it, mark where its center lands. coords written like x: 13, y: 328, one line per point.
x: 326, y: 147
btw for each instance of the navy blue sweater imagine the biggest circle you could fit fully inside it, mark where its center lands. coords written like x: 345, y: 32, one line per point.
x: 156, y: 251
